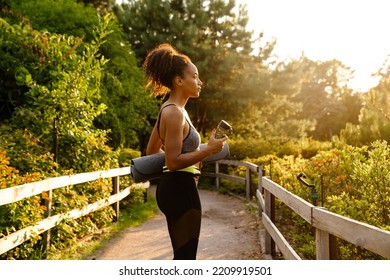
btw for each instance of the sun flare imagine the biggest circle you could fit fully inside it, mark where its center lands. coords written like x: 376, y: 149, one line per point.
x: 354, y: 32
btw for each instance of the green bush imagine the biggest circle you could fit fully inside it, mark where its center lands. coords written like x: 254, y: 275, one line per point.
x: 254, y: 148
x: 56, y: 93
x: 20, y: 214
x: 310, y: 147
x: 126, y: 155
x: 249, y: 148
x: 352, y: 181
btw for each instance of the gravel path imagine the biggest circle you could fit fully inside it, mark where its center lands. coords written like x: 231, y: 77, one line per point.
x: 229, y: 232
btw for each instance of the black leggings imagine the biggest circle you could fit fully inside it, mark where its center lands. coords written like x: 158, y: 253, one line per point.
x: 178, y: 198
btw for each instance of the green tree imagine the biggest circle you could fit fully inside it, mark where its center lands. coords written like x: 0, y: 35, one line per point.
x: 102, y: 6
x: 58, y: 77
x: 212, y: 34
x: 58, y: 92
x: 128, y: 104
x: 373, y: 123
x: 324, y: 97
x: 62, y: 16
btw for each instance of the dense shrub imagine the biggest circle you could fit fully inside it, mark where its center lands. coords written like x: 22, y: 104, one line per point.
x: 21, y: 214
x: 352, y: 182
x: 51, y: 130
x: 241, y: 148
x: 248, y: 148
x: 126, y: 155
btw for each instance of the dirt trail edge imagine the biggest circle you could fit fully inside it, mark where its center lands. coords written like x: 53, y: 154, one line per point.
x: 228, y: 232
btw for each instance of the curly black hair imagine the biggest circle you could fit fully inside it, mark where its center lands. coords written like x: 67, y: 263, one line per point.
x: 162, y: 65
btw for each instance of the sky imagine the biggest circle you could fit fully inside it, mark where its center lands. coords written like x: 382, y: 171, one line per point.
x: 356, y: 32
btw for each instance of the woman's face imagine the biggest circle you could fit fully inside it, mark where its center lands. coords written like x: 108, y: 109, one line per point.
x: 191, y: 83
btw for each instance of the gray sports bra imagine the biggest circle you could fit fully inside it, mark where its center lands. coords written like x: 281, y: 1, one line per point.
x: 191, y: 142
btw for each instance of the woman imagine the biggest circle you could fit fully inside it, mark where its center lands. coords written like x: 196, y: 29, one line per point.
x: 173, y: 73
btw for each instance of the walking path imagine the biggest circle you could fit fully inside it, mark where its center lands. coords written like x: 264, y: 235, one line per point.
x: 229, y: 232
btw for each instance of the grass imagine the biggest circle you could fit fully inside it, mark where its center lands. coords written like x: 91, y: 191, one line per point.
x: 88, y: 246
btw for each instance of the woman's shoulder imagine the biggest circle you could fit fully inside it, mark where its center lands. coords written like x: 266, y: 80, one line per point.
x: 171, y: 108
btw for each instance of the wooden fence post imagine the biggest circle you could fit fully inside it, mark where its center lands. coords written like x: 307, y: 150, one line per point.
x: 322, y: 245
x: 326, y: 245
x: 248, y: 183
x: 334, y: 252
x: 260, y: 179
x: 46, y: 234
x: 115, y: 190
x: 269, y: 200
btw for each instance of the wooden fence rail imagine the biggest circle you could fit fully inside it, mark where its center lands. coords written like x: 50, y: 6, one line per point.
x: 327, y: 225
x: 14, y: 194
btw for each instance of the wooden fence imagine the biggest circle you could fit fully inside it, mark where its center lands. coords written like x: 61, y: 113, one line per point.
x: 14, y: 194
x: 327, y: 225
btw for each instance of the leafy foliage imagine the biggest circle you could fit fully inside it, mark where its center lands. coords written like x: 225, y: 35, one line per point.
x: 351, y: 181
x: 129, y: 106
x: 374, y: 118
x: 59, y: 16
x: 57, y: 93
x: 20, y: 214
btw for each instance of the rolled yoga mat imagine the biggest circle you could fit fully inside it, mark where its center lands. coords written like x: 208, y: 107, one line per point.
x: 150, y: 167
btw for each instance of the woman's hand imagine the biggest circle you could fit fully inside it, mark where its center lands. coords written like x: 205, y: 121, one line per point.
x: 216, y: 145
